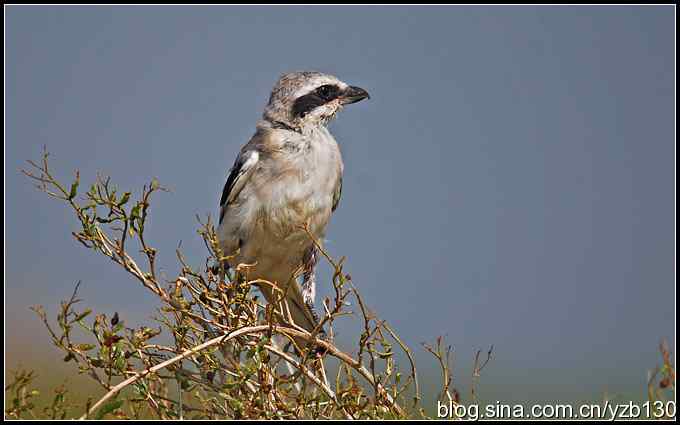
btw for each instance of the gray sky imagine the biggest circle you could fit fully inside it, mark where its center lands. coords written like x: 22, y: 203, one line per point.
x: 510, y: 181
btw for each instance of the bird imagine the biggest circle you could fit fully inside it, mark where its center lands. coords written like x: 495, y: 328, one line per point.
x: 286, y: 181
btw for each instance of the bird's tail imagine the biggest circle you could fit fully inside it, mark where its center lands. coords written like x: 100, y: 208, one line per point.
x: 303, y: 314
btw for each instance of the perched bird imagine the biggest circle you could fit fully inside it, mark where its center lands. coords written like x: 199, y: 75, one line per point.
x: 289, y: 175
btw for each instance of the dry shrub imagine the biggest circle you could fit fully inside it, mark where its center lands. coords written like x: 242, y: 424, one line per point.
x: 231, y: 356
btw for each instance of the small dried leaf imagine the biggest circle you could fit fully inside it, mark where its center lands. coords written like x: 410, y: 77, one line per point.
x: 108, y: 408
x: 83, y: 315
x: 74, y: 187
x: 85, y: 347
x: 112, y: 340
x: 124, y: 199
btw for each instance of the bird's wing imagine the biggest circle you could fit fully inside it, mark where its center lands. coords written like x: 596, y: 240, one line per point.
x: 238, y: 176
x: 337, y: 193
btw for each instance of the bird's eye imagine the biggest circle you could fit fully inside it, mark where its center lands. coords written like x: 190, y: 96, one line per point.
x: 327, y: 92
x: 318, y: 97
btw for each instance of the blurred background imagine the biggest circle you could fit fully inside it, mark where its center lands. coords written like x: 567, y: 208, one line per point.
x: 509, y: 183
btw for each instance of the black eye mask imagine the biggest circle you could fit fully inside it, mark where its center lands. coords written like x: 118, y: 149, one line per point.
x: 328, y: 92
x: 322, y: 95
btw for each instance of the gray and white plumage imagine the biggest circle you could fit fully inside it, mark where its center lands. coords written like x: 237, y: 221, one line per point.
x: 287, y: 176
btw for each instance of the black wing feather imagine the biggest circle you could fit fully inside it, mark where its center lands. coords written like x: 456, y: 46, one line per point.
x: 336, y: 195
x: 235, y: 171
x: 239, y: 174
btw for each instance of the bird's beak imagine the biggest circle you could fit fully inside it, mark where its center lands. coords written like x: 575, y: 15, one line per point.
x: 354, y: 94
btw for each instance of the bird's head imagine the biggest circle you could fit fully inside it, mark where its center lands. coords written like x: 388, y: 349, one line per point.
x: 309, y: 99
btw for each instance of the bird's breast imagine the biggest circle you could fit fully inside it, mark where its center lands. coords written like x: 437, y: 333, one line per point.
x: 301, y: 190
x: 296, y: 205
